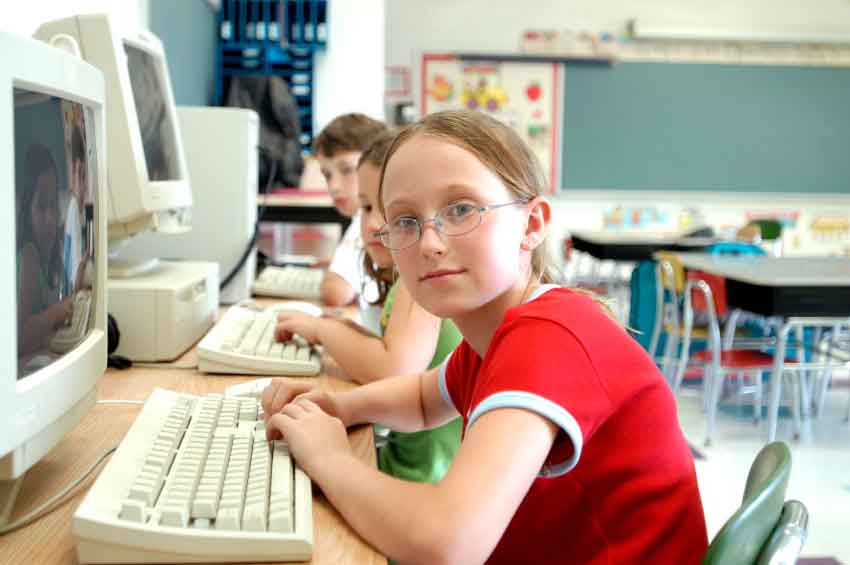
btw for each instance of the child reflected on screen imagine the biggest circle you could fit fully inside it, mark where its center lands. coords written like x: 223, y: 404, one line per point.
x: 74, y: 253
x: 571, y: 449
x: 41, y: 308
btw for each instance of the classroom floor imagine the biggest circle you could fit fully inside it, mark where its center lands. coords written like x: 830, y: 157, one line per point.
x: 820, y: 471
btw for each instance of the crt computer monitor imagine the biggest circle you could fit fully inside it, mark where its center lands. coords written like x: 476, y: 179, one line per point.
x: 147, y: 175
x: 53, y: 239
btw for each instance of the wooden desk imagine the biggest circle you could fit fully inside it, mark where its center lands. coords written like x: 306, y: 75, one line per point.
x: 49, y: 539
x: 300, y: 207
x: 633, y: 246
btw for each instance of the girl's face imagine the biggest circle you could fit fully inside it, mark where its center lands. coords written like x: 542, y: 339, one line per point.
x: 454, y: 275
x: 44, y: 214
x: 371, y: 219
x: 340, y: 171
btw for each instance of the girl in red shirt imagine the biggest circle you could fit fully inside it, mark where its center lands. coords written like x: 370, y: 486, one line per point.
x: 572, y: 451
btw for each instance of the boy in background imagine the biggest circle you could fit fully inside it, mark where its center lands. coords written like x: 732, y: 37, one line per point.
x: 338, y: 148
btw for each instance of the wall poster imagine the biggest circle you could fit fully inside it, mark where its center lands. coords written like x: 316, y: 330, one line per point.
x: 525, y: 95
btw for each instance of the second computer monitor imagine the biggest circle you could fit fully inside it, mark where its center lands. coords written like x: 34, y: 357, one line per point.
x: 149, y: 187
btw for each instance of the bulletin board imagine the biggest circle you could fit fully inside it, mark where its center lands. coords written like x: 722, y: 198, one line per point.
x: 525, y: 95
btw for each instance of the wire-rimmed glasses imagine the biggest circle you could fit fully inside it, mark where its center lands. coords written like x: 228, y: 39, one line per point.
x: 453, y: 220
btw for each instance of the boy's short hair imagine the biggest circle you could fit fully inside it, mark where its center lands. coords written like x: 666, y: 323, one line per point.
x: 377, y: 151
x: 348, y: 132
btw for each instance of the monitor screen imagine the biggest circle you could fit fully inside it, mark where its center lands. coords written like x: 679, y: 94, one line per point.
x: 155, y: 122
x: 55, y: 191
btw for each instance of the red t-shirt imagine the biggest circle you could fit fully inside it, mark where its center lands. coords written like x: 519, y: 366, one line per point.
x: 619, y: 485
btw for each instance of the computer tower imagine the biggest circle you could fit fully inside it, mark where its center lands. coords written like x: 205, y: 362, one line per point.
x: 220, y: 146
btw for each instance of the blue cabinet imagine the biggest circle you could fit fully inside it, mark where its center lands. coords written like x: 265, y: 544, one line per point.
x: 272, y: 37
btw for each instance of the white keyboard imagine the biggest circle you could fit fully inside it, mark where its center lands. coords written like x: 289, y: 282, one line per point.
x: 290, y: 282
x: 67, y: 337
x: 242, y: 342
x: 194, y: 480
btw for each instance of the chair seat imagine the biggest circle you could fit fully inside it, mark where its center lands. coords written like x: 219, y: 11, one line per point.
x: 737, y: 359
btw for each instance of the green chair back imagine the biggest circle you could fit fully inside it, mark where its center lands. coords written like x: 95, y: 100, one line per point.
x: 741, y: 539
x: 770, y: 229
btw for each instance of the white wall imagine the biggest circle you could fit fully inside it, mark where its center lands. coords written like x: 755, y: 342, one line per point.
x: 350, y: 74
x: 496, y: 25
x: 25, y: 17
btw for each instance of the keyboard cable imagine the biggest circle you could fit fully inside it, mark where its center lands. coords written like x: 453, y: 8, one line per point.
x: 46, y: 507
x: 53, y: 502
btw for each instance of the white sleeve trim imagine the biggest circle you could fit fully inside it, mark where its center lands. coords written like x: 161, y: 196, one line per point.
x: 544, y: 407
x: 540, y: 291
x: 347, y: 258
x: 441, y: 381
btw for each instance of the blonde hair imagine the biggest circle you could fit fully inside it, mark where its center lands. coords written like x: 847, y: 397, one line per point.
x: 497, y: 147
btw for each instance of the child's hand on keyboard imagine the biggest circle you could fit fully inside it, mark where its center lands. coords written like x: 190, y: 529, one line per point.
x: 311, y: 433
x: 290, y: 322
x: 284, y: 391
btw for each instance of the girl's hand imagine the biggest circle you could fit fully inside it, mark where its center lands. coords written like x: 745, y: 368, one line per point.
x: 282, y: 391
x: 313, y: 436
x: 61, y: 312
x: 290, y: 322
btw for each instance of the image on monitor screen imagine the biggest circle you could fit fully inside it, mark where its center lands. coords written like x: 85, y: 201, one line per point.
x: 55, y: 176
x: 155, y: 122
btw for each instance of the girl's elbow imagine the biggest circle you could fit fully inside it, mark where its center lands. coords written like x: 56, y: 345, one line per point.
x: 444, y: 542
x: 334, y: 297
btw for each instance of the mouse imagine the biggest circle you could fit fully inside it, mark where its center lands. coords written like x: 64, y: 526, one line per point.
x: 297, y: 305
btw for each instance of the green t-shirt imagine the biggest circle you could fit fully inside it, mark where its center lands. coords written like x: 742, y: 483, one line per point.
x: 423, y: 456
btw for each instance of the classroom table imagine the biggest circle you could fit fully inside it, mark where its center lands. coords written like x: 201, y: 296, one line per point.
x: 803, y: 291
x: 780, y: 286
x: 634, y: 245
x: 49, y: 539
x: 300, y: 206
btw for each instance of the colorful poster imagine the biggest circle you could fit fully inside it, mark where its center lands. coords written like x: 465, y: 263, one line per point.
x: 525, y: 95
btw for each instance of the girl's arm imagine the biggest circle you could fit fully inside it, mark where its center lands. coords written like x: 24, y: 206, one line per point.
x: 335, y: 290
x: 407, y: 347
x: 458, y: 520
x: 406, y: 404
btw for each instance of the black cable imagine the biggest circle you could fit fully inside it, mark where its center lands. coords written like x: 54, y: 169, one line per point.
x: 253, y: 241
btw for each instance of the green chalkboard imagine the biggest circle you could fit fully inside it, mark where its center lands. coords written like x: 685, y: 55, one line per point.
x: 673, y: 126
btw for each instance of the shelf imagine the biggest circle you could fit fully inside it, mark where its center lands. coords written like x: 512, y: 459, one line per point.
x: 538, y: 58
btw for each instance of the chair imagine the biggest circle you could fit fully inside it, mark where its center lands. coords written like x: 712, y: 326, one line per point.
x: 771, y: 231
x: 718, y: 363
x: 789, y: 536
x: 801, y: 386
x: 670, y: 281
x: 671, y: 278
x: 764, y: 527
